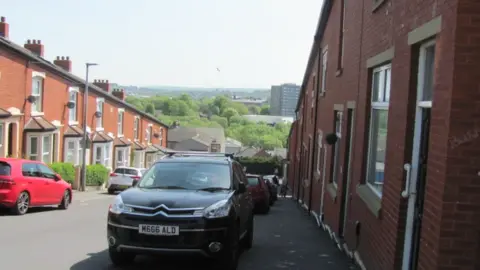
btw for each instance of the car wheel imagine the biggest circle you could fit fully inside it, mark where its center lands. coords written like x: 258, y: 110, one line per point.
x: 119, y: 258
x: 65, y: 200
x: 248, y: 239
x: 23, y: 202
x: 111, y: 191
x: 229, y: 260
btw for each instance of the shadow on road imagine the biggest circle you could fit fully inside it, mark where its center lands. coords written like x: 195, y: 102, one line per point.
x: 31, y: 211
x: 101, y: 261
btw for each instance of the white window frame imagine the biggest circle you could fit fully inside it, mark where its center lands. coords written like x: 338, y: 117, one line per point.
x: 125, y: 150
x: 139, y: 159
x: 336, y: 148
x: 73, y: 113
x: 323, y: 89
x: 136, y: 128
x: 149, y: 159
x: 161, y: 136
x: 319, y: 152
x: 41, y: 152
x: 120, y: 121
x: 105, y: 158
x: 100, y: 107
x: 2, y: 136
x: 38, y: 77
x: 148, y: 136
x: 77, y: 150
x: 377, y: 106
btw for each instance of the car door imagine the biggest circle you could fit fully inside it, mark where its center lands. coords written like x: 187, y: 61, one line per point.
x: 244, y: 198
x: 53, y: 189
x: 33, y: 183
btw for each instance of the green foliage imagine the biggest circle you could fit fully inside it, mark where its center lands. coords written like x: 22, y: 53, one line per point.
x: 96, y: 174
x: 261, y: 165
x: 65, y: 170
x: 217, y: 112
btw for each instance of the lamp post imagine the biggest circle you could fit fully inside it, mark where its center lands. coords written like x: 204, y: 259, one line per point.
x: 85, y: 135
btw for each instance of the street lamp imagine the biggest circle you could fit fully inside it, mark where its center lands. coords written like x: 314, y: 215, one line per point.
x: 85, y: 135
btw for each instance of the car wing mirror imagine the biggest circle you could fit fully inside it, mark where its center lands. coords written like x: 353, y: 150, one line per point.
x: 242, y: 188
x: 57, y: 177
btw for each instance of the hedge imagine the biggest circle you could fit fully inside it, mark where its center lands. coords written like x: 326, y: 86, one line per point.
x: 96, y: 174
x: 261, y: 165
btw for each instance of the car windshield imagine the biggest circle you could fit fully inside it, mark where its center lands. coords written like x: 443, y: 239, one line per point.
x: 187, y: 175
x: 252, y: 181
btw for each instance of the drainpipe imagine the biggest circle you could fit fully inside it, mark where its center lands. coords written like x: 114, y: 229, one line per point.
x: 324, y: 166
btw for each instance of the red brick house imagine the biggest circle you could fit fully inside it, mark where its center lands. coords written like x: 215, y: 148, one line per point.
x: 41, y: 113
x: 387, y: 133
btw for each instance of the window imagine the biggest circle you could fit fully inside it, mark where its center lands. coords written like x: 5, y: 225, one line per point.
x: 46, y: 172
x: 100, y: 109
x: 148, y: 134
x: 136, y: 127
x: 190, y: 175
x: 342, y: 35
x: 102, y: 154
x: 72, y: 113
x: 324, y: 71
x: 161, y: 136
x: 150, y: 159
x: 70, y: 152
x: 319, y: 153
x: 378, y: 127
x: 2, y: 137
x: 120, y: 122
x: 139, y: 159
x: 336, y: 150
x: 73, y: 151
x: 37, y: 92
x: 122, y: 156
x: 40, y: 147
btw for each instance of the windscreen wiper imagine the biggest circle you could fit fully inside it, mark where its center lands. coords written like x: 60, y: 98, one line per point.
x: 213, y: 189
x: 163, y: 187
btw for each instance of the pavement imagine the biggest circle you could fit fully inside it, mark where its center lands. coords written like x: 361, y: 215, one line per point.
x: 75, y: 239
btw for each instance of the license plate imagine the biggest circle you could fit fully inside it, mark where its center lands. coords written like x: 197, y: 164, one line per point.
x: 158, y: 230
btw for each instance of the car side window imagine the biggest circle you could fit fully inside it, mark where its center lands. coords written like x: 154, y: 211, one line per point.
x: 241, y: 175
x: 46, y: 172
x: 30, y: 170
x: 236, y: 178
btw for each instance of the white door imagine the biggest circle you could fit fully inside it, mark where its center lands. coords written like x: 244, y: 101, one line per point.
x: 416, y: 170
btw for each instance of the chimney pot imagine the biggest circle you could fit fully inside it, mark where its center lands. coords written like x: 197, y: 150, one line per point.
x: 39, y: 41
x: 2, y: 19
x: 35, y: 47
x: 58, y: 57
x: 28, y: 41
x: 63, y: 58
x: 4, y: 28
x: 68, y: 57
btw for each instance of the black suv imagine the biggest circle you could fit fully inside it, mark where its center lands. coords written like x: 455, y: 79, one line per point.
x: 187, y: 203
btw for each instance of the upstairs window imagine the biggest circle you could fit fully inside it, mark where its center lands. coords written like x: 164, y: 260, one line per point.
x: 136, y: 128
x: 72, y: 97
x: 100, y: 103
x: 120, y: 122
x: 324, y: 71
x: 37, y: 92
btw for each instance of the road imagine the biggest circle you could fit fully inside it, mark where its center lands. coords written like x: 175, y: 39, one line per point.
x: 75, y: 240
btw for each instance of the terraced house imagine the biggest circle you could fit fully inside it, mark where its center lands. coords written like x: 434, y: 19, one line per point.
x: 41, y: 113
x: 384, y: 151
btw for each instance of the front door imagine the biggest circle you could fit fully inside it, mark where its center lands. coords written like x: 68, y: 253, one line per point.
x: 417, y: 169
x: 346, y: 174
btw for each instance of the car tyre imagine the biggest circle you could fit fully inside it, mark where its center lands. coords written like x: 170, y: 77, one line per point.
x: 229, y: 258
x: 65, y: 200
x: 248, y: 238
x: 111, y: 191
x: 120, y: 258
x: 22, y: 204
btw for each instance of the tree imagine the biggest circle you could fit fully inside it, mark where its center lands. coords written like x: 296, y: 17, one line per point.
x: 265, y: 110
x: 254, y: 109
x: 150, y: 109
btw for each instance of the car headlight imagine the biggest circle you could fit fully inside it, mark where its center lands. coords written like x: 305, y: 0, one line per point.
x: 218, y: 209
x: 118, y: 207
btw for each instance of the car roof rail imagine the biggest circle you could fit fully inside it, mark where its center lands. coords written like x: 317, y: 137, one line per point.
x: 200, y: 153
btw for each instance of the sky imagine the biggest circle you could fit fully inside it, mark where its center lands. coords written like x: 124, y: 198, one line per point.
x: 254, y: 43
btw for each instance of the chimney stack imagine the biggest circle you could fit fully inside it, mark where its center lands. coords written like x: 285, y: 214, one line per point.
x: 119, y: 93
x: 63, y: 62
x: 104, y: 84
x: 4, y: 28
x: 35, y: 46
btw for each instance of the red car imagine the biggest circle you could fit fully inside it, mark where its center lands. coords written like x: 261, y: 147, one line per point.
x: 26, y: 183
x: 260, y: 192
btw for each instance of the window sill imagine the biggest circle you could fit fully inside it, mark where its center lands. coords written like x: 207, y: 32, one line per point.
x: 99, y: 129
x: 72, y: 123
x: 332, y: 190
x: 372, y: 200
x: 377, y: 4
x: 119, y: 135
x: 37, y: 114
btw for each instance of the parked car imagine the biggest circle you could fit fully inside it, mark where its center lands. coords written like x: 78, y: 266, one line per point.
x: 188, y: 205
x: 273, y: 191
x: 25, y: 184
x: 260, y: 193
x: 122, y: 178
